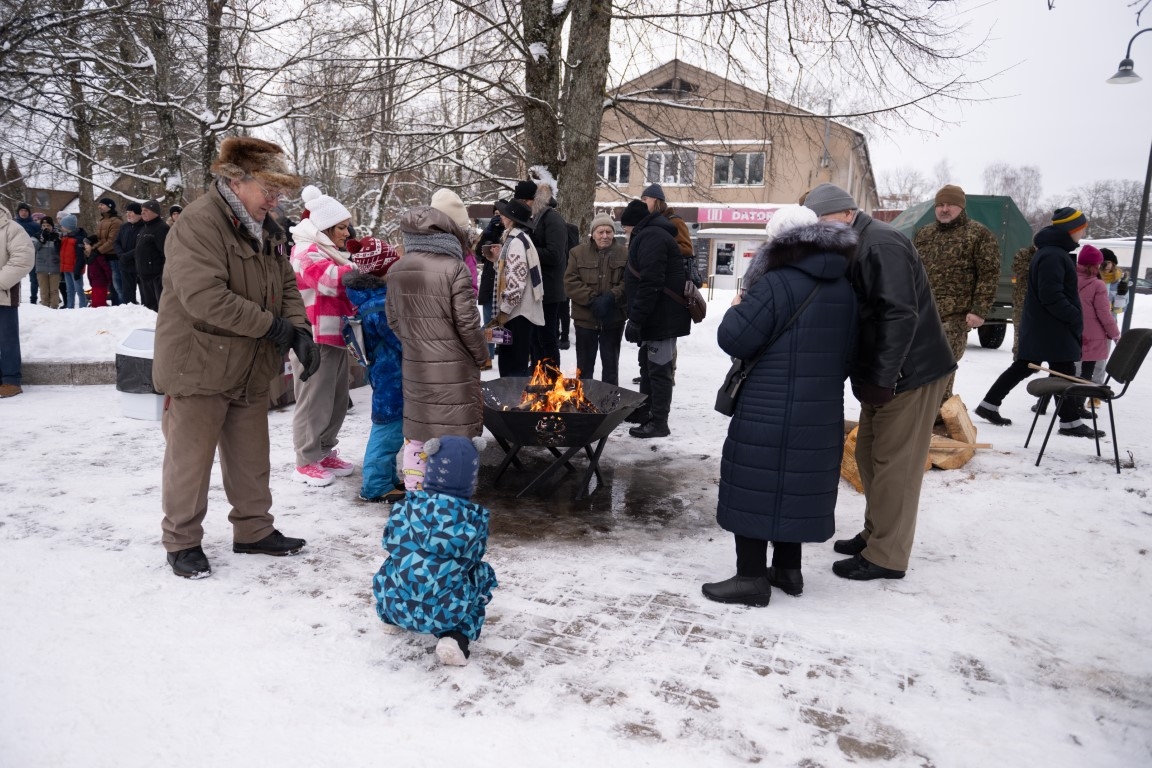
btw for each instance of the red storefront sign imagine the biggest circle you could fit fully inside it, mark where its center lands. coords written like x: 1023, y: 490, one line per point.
x: 734, y: 215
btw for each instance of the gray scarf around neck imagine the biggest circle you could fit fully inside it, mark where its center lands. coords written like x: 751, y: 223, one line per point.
x: 433, y: 242
x: 255, y: 228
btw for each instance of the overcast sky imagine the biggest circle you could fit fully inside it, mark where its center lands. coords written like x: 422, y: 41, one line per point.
x: 1056, y: 111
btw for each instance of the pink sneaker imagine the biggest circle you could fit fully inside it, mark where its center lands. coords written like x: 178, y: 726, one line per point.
x: 336, y: 465
x: 314, y: 475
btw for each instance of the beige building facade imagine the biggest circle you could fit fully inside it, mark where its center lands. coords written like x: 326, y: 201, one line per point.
x: 726, y: 157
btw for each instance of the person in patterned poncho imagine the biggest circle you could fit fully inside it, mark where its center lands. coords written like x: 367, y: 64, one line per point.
x: 434, y: 579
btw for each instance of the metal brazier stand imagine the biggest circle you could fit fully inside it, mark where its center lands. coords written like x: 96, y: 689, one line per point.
x: 563, y: 433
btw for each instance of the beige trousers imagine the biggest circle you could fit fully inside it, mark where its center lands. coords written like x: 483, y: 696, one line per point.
x: 891, y: 449
x: 194, y: 427
x: 321, y: 404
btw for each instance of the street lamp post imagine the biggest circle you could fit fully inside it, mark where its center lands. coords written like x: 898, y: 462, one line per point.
x: 1125, y: 75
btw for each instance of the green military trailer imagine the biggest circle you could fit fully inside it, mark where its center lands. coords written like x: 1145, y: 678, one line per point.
x: 1012, y: 232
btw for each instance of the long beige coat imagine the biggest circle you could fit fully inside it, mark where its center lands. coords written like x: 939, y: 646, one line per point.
x: 220, y: 296
x: 16, y: 256
x: 431, y: 308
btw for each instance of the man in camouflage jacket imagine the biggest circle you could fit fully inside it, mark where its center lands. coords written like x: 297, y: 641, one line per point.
x: 962, y: 259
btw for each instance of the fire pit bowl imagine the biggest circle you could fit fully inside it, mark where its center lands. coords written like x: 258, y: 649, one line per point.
x: 571, y: 430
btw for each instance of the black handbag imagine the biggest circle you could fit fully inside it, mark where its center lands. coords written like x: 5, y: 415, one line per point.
x: 734, y: 379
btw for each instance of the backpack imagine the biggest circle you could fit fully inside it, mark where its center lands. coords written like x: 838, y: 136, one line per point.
x: 573, y: 236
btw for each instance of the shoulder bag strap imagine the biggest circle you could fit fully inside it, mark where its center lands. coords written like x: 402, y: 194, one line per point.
x: 678, y: 297
x: 752, y: 363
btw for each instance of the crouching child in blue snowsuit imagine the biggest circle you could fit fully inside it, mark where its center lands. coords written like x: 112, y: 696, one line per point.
x: 367, y: 288
x: 435, y: 580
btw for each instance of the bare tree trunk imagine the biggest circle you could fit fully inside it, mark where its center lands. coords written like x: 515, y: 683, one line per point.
x: 170, y: 173
x: 542, y: 145
x: 582, y: 107
x: 213, y: 70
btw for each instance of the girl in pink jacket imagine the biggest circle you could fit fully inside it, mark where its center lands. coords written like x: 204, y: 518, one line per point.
x: 322, y: 402
x: 1099, y: 323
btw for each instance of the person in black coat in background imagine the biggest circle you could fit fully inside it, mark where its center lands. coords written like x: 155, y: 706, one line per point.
x: 492, y: 235
x: 150, y: 254
x: 653, y: 280
x: 780, y: 469
x: 1052, y: 324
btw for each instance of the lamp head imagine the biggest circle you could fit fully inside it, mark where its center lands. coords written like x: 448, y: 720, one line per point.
x: 1125, y: 74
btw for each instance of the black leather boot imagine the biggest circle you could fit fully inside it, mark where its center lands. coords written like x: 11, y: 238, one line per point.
x: 744, y: 590
x: 788, y: 580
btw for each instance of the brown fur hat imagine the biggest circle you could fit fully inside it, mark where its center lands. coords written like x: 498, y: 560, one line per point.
x: 243, y: 156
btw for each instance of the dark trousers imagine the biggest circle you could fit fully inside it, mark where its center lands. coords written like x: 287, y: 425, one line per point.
x: 34, y: 291
x: 114, y: 292
x: 607, y: 341
x: 10, y: 343
x: 150, y: 287
x: 564, y: 320
x: 752, y: 556
x: 545, y: 345
x: 514, y: 359
x: 1018, y: 371
x: 657, y: 360
x: 128, y: 280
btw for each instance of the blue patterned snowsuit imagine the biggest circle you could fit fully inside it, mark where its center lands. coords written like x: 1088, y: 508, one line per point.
x: 434, y: 580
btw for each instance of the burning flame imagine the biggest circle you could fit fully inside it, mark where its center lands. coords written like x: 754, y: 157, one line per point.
x: 550, y: 391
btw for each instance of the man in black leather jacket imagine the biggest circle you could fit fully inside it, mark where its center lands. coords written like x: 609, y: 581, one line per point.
x: 902, y: 368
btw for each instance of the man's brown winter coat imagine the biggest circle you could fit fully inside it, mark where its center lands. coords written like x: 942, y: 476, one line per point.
x: 221, y: 293
x: 431, y: 308
x: 106, y: 231
x: 591, y: 273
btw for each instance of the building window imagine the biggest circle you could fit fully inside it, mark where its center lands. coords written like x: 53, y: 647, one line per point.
x: 671, y: 167
x: 42, y: 198
x: 614, y: 168
x: 740, y: 169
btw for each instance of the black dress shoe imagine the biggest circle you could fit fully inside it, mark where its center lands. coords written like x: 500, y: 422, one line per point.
x: 787, y: 580
x: 852, y: 546
x: 275, y: 544
x: 653, y: 428
x: 190, y: 563
x: 993, y: 416
x: 743, y: 590
x: 563, y: 344
x: 859, y: 569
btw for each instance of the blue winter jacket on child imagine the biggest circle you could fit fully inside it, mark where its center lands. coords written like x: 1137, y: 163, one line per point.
x: 367, y: 293
x: 434, y: 580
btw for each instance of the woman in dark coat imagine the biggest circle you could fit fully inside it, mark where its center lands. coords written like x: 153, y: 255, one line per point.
x: 780, y: 469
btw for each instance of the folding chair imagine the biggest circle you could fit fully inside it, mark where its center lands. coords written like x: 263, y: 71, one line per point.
x: 1122, y: 367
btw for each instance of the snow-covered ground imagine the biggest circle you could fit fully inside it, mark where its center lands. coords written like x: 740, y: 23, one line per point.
x: 1020, y: 636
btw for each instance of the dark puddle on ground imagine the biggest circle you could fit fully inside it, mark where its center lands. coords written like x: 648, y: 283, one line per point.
x: 665, y: 491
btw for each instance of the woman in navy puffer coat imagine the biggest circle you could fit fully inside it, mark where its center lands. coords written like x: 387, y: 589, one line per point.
x: 780, y: 470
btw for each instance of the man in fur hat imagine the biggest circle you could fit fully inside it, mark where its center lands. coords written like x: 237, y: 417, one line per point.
x: 229, y: 311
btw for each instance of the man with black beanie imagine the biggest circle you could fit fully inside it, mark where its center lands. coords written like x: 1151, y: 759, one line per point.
x: 653, y: 279
x: 1053, y: 321
x: 126, y: 253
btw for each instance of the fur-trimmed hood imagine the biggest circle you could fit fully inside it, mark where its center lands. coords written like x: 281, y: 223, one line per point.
x: 824, y: 238
x: 362, y: 281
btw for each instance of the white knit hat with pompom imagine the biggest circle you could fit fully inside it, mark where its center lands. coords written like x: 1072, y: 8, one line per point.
x: 323, y: 211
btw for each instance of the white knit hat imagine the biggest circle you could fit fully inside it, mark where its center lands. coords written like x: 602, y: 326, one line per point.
x: 449, y: 203
x: 323, y: 211
x: 789, y: 217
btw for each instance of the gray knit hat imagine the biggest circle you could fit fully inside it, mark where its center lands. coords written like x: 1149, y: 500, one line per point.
x: 602, y: 220
x: 828, y: 198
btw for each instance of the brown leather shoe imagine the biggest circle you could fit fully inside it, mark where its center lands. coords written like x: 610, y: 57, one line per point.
x: 10, y: 390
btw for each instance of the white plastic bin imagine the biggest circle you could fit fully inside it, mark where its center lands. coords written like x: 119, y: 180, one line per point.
x: 138, y: 400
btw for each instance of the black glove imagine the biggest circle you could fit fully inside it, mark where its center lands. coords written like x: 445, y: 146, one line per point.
x: 873, y: 394
x: 603, y: 306
x: 632, y: 332
x: 306, y: 352
x: 1122, y: 288
x: 282, y: 333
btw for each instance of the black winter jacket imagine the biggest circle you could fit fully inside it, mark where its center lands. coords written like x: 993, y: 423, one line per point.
x: 780, y: 470
x: 150, y: 247
x: 1053, y: 321
x: 493, y: 233
x: 655, y: 263
x: 550, y: 236
x: 126, y: 245
x: 902, y: 342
